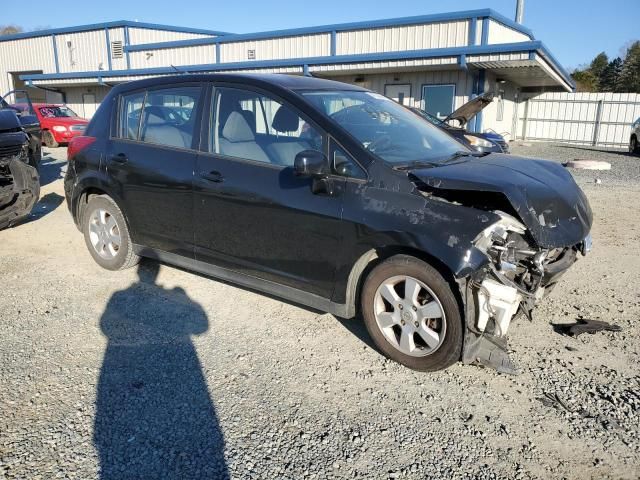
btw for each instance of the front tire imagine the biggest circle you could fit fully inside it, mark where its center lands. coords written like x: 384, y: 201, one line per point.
x: 49, y: 139
x: 634, y: 147
x: 107, y: 235
x: 412, y: 314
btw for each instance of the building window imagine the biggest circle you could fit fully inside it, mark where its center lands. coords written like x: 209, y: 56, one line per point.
x: 500, y: 106
x: 438, y: 100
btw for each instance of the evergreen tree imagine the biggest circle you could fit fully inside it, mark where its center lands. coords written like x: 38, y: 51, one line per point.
x: 598, y: 65
x: 630, y: 74
x: 610, y: 77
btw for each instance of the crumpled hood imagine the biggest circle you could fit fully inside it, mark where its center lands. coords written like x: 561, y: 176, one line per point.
x: 542, y: 193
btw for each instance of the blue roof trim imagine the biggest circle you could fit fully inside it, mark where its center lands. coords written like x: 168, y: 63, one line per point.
x: 341, y: 27
x: 325, y: 60
x: 557, y: 66
x: 100, y: 26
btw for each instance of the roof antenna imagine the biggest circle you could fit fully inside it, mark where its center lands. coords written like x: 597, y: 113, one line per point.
x: 178, y: 70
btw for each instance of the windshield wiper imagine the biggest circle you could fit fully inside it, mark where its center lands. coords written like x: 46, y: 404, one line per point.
x: 416, y: 164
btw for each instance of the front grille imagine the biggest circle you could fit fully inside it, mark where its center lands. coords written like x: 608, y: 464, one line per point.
x: 78, y: 128
x: 10, y: 150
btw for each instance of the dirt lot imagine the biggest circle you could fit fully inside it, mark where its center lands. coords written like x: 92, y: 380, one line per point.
x: 128, y: 375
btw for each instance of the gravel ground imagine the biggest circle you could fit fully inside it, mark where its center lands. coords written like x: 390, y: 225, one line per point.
x: 159, y: 373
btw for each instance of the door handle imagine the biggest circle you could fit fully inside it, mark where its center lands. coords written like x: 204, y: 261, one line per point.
x: 119, y: 158
x: 213, y: 176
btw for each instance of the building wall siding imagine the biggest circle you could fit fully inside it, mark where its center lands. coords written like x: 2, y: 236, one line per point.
x: 82, y: 51
x: 376, y: 82
x: 277, y: 48
x: 75, y: 101
x: 29, y: 54
x: 176, y: 56
x: 146, y: 35
x: 117, y: 34
x: 499, y: 33
x: 411, y: 37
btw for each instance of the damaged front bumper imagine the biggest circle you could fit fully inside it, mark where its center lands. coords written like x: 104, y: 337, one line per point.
x: 518, y: 275
x: 19, y: 190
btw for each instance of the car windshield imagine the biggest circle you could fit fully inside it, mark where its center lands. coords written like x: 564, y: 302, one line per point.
x: 385, y: 128
x: 430, y: 118
x: 51, y: 112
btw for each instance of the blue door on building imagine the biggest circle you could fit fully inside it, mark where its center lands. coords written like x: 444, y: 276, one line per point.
x: 438, y: 100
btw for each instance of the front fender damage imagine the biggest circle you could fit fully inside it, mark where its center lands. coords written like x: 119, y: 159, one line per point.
x: 19, y: 190
x: 523, y: 265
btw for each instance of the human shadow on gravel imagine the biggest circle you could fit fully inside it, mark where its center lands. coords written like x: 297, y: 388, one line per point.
x: 154, y: 415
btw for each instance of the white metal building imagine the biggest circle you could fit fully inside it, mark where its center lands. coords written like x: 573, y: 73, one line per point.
x: 436, y: 62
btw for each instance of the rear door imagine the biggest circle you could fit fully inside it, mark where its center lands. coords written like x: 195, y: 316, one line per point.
x: 252, y: 214
x: 152, y: 157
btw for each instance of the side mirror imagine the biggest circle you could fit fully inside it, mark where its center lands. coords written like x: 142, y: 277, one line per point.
x: 311, y: 163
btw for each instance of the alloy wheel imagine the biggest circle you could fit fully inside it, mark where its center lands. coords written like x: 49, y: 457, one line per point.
x: 104, y: 233
x: 410, y: 316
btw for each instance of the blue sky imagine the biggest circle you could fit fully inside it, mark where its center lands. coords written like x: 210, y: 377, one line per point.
x: 574, y: 30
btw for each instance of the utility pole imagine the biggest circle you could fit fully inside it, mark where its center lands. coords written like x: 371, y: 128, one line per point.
x: 519, y: 11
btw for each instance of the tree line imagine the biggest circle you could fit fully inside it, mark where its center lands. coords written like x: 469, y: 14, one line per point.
x: 620, y: 75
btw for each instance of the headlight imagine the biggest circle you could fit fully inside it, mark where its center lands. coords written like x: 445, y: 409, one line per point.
x: 478, y: 142
x: 60, y: 128
x: 499, y: 229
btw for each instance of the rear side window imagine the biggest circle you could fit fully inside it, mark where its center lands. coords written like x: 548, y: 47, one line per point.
x: 162, y: 117
x: 130, y: 115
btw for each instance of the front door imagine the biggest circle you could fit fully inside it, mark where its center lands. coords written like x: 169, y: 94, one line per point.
x: 152, y: 160
x: 252, y: 214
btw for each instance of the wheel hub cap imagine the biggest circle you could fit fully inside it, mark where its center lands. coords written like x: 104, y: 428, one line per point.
x: 410, y: 316
x: 104, y: 233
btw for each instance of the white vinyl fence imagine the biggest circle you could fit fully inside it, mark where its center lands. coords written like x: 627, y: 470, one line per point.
x: 598, y: 119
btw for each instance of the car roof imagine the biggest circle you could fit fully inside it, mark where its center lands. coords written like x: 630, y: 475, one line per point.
x: 48, y: 105
x: 288, y: 82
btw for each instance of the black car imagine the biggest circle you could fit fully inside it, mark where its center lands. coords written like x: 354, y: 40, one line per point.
x: 19, y: 180
x: 19, y: 104
x: 330, y: 196
x: 485, y: 142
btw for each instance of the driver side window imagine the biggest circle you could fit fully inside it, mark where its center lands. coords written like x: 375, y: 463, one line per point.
x: 254, y: 126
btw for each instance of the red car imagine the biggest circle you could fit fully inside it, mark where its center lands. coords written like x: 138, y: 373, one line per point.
x: 59, y: 123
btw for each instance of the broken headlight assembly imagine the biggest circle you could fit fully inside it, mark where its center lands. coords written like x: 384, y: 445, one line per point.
x: 512, y: 278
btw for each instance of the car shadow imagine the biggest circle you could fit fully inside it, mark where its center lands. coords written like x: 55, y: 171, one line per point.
x: 45, y: 206
x: 51, y: 169
x: 154, y: 415
x: 356, y: 327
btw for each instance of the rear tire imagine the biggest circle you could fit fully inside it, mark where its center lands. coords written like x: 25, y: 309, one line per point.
x: 634, y: 147
x: 49, y: 140
x: 422, y: 329
x: 106, y: 234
